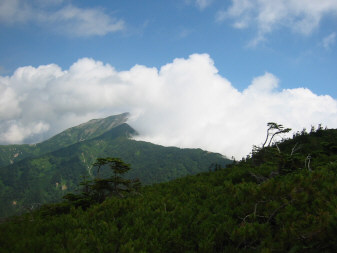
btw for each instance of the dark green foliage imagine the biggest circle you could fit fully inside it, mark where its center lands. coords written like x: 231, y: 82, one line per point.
x: 97, y: 190
x: 226, y: 210
x: 115, y: 185
x: 46, y: 178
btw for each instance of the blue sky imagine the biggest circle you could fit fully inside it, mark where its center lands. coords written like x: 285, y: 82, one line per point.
x: 290, y: 44
x: 155, y: 32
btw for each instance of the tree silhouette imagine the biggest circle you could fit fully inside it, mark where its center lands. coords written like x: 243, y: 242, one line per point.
x: 97, y: 190
x: 273, y: 130
x: 115, y: 184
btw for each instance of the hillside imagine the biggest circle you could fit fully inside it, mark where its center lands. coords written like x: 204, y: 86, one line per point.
x: 10, y: 154
x: 273, y: 201
x: 41, y: 179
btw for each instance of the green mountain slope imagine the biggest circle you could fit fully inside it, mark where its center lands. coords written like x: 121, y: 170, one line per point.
x: 10, y: 154
x: 270, y: 202
x: 46, y: 178
x: 85, y: 131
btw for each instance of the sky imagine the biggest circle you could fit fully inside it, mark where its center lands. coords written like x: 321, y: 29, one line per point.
x: 193, y: 73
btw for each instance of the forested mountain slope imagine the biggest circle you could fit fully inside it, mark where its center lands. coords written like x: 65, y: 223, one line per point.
x: 273, y: 201
x: 10, y: 154
x: 46, y: 178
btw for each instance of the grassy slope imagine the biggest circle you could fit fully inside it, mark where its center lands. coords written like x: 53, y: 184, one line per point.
x: 222, y: 211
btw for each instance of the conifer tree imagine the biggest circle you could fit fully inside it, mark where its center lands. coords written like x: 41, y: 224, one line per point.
x: 115, y: 184
x: 97, y: 190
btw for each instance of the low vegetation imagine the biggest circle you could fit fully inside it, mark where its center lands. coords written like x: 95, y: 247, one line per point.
x: 281, y: 198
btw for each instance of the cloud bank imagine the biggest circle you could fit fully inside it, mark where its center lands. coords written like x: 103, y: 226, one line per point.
x: 185, y: 103
x: 301, y: 16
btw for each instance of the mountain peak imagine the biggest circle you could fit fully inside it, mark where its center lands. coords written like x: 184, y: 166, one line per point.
x: 98, y: 126
x: 85, y: 131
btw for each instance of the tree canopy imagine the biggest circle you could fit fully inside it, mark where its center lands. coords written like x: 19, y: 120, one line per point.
x: 227, y: 210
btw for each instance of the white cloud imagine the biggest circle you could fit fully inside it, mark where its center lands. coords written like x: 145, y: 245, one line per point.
x: 301, y: 16
x: 84, y: 22
x: 329, y: 40
x: 68, y: 19
x: 9, y: 103
x: 16, y: 132
x: 49, y: 2
x: 202, y: 4
x: 13, y: 11
x: 184, y: 32
x: 185, y: 103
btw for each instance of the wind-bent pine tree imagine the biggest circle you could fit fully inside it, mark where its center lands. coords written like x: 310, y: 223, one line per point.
x: 273, y: 130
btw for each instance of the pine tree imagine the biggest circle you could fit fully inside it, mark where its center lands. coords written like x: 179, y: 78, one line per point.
x: 97, y: 190
x: 116, y: 184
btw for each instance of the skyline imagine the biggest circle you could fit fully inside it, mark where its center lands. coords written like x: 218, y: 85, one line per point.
x: 275, y: 57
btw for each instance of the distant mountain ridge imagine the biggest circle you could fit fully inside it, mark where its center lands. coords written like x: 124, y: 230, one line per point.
x: 88, y: 130
x: 10, y: 154
x: 82, y: 132
x: 43, y: 177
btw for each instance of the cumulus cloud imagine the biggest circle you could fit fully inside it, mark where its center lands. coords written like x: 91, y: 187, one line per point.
x: 185, y: 103
x: 301, y: 16
x: 66, y: 19
x: 15, y: 132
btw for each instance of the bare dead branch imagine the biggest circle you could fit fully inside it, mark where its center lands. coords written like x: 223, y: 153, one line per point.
x: 307, y: 162
x: 294, y: 149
